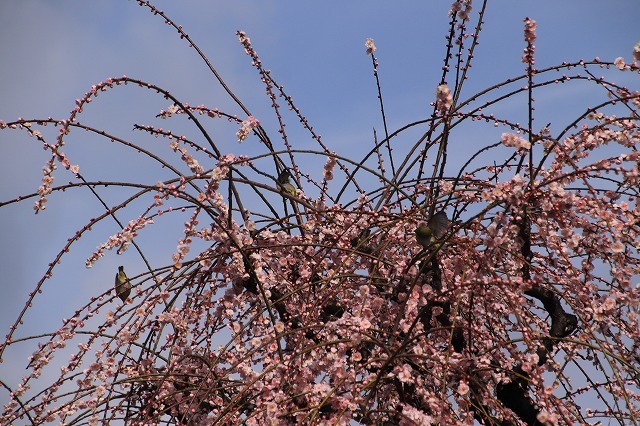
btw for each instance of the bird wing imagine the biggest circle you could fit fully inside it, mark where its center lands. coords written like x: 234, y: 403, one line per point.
x: 439, y: 224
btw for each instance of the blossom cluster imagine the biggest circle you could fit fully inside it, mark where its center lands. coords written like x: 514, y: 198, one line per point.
x: 529, y: 36
x: 444, y: 99
x: 371, y: 47
x: 122, y: 240
x: 247, y: 126
x: 512, y: 140
x: 461, y: 9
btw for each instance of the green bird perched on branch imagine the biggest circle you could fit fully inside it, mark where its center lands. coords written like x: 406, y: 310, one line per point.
x: 435, y: 229
x: 285, y: 185
x: 123, y: 286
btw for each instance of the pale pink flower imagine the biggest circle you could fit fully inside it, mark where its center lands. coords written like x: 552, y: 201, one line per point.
x: 543, y: 416
x: 619, y: 63
x: 617, y: 247
x: 364, y: 324
x: 416, y: 416
x: 444, y: 100
x: 609, y: 304
x: 191, y: 162
x: 328, y: 167
x: 370, y: 46
x: 272, y: 407
x: 173, y: 109
x: 636, y: 51
x: 404, y: 373
x: 463, y: 388
x: 464, y: 14
x: 529, y: 30
x: 457, y: 9
x: 247, y: 126
x: 513, y: 140
x: 530, y: 37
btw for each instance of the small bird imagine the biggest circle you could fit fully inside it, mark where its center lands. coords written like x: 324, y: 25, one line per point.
x: 285, y: 185
x: 435, y: 229
x: 123, y: 286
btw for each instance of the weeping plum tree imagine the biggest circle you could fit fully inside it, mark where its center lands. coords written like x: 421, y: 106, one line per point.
x: 409, y: 289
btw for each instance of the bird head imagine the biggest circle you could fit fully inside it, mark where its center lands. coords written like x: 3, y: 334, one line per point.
x: 284, y: 176
x: 424, y: 236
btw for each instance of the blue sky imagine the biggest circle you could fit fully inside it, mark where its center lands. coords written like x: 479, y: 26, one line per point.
x: 52, y: 52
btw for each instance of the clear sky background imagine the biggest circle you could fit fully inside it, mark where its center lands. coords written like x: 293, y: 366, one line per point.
x: 51, y: 52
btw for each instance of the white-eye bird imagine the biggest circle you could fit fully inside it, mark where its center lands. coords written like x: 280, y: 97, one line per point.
x: 123, y: 286
x: 285, y: 185
x: 435, y: 229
